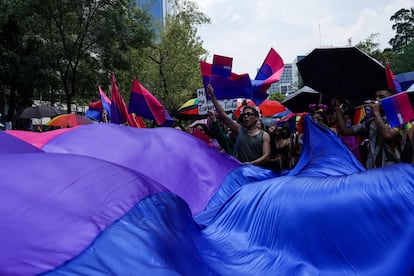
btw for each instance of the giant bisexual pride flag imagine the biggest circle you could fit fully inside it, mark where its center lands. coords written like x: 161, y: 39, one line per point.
x: 398, y: 109
x: 144, y: 104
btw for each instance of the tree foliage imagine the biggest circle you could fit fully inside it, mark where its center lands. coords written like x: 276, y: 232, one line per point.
x: 404, y: 61
x: 277, y: 96
x: 403, y: 43
x: 404, y: 27
x: 66, y: 47
x: 371, y: 47
x: 89, y: 38
x: 22, y: 55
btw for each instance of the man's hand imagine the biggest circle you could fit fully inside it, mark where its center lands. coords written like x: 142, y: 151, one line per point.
x: 375, y: 107
x: 210, y: 91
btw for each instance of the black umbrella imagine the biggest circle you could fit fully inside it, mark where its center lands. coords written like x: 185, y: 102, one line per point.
x: 300, y: 100
x: 39, y: 112
x: 343, y: 73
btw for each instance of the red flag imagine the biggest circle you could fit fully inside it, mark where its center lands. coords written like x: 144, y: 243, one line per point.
x: 119, y: 111
x: 392, y: 82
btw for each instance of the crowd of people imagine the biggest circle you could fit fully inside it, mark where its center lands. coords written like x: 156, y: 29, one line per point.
x: 277, y: 146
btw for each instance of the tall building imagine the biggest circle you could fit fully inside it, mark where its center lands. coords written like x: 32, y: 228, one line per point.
x: 284, y: 86
x: 158, y: 9
x: 289, y: 81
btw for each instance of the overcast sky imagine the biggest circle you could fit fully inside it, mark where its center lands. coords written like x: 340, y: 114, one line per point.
x: 246, y: 29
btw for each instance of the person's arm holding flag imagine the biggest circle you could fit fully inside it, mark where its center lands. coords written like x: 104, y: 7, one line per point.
x: 382, y: 129
x: 235, y: 127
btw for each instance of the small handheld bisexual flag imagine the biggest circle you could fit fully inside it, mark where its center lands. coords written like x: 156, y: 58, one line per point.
x: 270, y: 72
x: 398, y: 109
x: 143, y: 103
x: 119, y: 112
x: 222, y: 66
x: 272, y: 68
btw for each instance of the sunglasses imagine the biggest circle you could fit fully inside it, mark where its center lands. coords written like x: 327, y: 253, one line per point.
x: 248, y: 114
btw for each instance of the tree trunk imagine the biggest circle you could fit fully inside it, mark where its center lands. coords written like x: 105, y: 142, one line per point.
x: 12, y: 104
x: 68, y: 101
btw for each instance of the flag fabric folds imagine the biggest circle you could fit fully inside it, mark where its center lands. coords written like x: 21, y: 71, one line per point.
x: 236, y: 86
x: 119, y: 111
x: 270, y: 72
x: 136, y: 121
x: 230, y: 86
x: 95, y: 105
x: 392, y: 82
x: 94, y: 111
x: 144, y: 104
x: 222, y: 66
x: 271, y: 69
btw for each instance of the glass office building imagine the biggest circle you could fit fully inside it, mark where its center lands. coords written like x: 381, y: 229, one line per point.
x: 290, y: 79
x: 157, y: 8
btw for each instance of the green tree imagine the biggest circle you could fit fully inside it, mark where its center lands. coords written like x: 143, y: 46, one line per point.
x: 87, y: 39
x: 22, y: 55
x: 370, y: 47
x: 402, y: 54
x: 404, y: 27
x: 404, y: 61
x: 277, y: 96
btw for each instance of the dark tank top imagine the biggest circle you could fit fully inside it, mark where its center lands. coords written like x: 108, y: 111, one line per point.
x: 248, y: 148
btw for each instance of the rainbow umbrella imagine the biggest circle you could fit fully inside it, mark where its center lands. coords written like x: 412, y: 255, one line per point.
x: 189, y: 111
